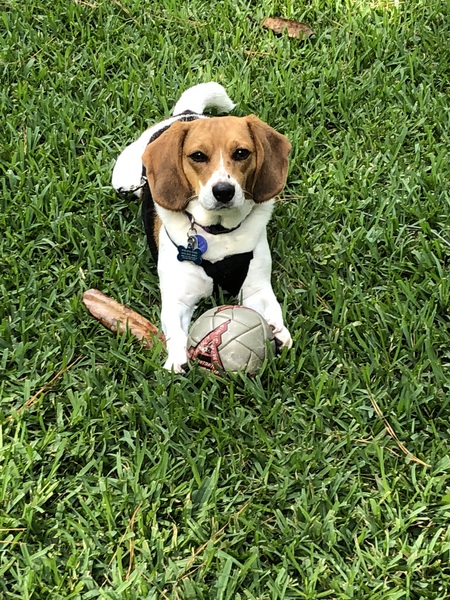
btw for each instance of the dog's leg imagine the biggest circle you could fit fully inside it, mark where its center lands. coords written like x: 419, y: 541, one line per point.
x: 175, y: 319
x: 127, y: 172
x: 257, y: 293
x: 182, y: 285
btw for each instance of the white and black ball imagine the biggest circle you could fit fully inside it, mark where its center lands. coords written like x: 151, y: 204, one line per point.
x: 230, y: 338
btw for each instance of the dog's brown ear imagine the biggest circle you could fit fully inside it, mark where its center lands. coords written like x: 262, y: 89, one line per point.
x: 164, y: 165
x: 272, y: 150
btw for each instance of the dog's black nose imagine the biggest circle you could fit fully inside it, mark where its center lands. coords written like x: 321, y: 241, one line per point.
x: 223, y: 192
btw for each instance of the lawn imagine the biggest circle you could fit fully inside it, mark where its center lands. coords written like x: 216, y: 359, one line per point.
x: 327, y: 475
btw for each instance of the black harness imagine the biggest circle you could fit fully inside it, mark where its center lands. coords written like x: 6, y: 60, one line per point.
x: 229, y: 273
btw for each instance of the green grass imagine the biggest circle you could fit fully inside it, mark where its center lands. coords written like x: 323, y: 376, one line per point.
x: 119, y: 480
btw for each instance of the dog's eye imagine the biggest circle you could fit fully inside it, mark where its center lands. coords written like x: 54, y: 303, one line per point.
x: 241, y: 154
x: 198, y: 157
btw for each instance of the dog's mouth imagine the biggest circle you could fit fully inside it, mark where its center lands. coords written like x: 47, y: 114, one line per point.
x: 226, y: 215
x: 223, y: 207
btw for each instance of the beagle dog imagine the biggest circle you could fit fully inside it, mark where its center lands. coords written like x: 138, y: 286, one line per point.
x: 207, y: 186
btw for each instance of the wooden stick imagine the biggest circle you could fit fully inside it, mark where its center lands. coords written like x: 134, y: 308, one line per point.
x: 117, y: 317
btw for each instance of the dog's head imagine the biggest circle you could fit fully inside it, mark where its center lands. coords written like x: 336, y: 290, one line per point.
x: 220, y: 162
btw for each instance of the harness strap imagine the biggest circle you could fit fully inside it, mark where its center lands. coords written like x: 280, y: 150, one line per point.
x: 229, y: 273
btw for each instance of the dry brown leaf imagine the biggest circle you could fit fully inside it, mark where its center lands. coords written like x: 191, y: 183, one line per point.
x: 117, y: 317
x: 294, y: 29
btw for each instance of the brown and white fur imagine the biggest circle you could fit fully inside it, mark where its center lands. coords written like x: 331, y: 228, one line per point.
x: 204, y: 172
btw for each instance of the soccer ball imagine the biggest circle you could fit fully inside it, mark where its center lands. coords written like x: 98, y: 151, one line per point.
x: 230, y: 338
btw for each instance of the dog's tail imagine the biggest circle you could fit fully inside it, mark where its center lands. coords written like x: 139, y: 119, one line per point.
x: 202, y: 96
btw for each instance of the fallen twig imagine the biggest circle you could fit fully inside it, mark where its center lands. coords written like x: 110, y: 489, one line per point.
x: 32, y: 399
x: 392, y: 433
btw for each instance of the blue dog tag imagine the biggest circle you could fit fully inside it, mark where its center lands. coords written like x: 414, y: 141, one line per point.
x: 196, y: 246
x: 202, y: 244
x: 191, y: 254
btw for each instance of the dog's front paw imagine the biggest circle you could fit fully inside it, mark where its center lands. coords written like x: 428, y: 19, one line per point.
x: 176, y: 362
x: 282, y: 337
